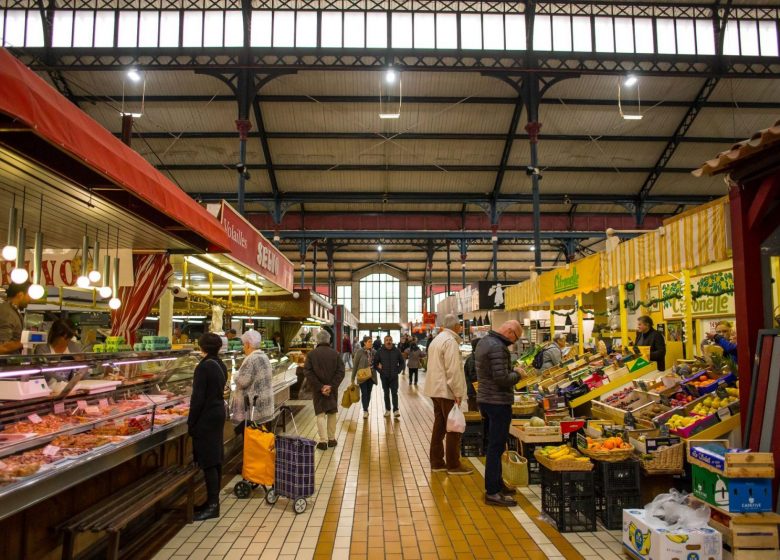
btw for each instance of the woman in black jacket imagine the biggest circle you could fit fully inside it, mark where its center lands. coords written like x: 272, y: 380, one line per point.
x: 206, y: 421
x: 470, y: 370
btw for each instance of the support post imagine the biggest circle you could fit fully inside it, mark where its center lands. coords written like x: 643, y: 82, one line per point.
x: 580, y: 325
x: 314, y: 269
x: 531, y: 97
x: 165, y: 322
x: 623, y: 317
x: 243, y: 125
x: 449, y: 268
x: 688, y: 319
x: 211, y: 284
x: 552, y: 320
x: 127, y: 128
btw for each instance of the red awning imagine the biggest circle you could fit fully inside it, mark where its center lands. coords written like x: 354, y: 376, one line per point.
x: 38, y: 122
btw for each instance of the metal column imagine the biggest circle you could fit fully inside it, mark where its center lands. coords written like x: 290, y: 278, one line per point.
x: 531, y: 97
x: 246, y: 93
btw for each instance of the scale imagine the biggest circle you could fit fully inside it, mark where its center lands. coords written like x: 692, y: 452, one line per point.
x: 31, y: 339
x: 18, y: 390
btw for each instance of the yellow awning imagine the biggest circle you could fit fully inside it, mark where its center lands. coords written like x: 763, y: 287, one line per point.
x: 522, y: 295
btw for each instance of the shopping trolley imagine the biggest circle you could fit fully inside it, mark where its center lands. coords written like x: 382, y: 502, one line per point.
x: 259, y: 456
x: 294, y: 472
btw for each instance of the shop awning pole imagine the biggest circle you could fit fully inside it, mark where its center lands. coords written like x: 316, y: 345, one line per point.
x: 580, y: 323
x: 688, y: 303
x: 552, y: 320
x: 211, y: 284
x: 623, y: 317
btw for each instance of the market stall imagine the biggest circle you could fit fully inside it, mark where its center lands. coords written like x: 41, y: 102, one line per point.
x: 345, y: 324
x: 302, y: 313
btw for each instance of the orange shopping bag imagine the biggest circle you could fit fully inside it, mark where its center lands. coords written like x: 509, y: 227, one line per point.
x: 259, y: 456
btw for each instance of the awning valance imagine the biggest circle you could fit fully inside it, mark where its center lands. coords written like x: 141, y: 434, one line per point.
x: 39, y: 123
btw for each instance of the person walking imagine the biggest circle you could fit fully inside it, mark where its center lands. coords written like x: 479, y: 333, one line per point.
x: 324, y: 371
x: 403, y: 346
x: 377, y: 343
x: 346, y: 351
x: 495, y: 395
x: 413, y: 362
x: 206, y: 421
x: 648, y: 336
x: 389, y: 364
x: 253, y: 380
x: 470, y: 371
x: 445, y: 384
x: 364, y: 358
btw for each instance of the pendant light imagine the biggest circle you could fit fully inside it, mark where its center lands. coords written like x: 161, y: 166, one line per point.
x: 36, y: 289
x: 9, y: 250
x: 19, y: 274
x: 94, y: 274
x: 105, y: 290
x: 83, y: 280
x: 114, y: 303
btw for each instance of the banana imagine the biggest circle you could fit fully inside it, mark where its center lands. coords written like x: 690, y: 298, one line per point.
x: 679, y: 539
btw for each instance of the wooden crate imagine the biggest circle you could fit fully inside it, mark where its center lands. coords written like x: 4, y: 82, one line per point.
x: 530, y: 434
x: 737, y: 465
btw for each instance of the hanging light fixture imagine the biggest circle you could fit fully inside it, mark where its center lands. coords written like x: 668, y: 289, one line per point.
x: 36, y: 289
x: 9, y: 251
x: 94, y: 274
x: 114, y: 303
x: 19, y: 274
x: 630, y: 82
x: 105, y: 290
x: 83, y: 280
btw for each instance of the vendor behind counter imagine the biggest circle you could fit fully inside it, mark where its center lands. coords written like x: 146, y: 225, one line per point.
x: 11, y: 318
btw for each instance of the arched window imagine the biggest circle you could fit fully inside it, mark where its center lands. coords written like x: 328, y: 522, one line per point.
x: 380, y: 300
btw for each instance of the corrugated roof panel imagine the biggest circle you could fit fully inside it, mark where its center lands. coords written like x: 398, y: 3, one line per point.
x: 517, y: 182
x: 655, y: 88
x: 692, y: 155
x: 730, y: 123
x: 219, y: 181
x: 682, y: 184
x: 338, y: 181
x: 223, y: 151
x: 588, y: 153
x: 381, y: 181
x: 363, y: 117
x: 741, y: 90
x: 379, y: 151
x: 598, y: 120
x: 173, y: 82
x: 170, y: 117
x: 389, y: 207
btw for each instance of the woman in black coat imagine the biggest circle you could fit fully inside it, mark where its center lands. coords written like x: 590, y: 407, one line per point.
x: 206, y: 421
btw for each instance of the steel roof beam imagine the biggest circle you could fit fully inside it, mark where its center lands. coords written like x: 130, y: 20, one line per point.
x: 418, y: 167
x: 346, y: 235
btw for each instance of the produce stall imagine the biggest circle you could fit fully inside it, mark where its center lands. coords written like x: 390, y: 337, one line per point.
x: 302, y: 314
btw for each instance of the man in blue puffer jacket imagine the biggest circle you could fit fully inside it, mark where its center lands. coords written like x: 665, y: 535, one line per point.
x: 495, y: 395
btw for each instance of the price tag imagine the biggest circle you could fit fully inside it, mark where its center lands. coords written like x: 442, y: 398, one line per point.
x: 59, y: 408
x: 82, y: 405
x: 103, y: 403
x: 34, y: 418
x: 724, y: 413
x: 93, y: 410
x: 51, y: 450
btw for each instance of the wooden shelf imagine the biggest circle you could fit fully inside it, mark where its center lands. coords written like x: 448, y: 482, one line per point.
x: 718, y: 430
x: 604, y: 389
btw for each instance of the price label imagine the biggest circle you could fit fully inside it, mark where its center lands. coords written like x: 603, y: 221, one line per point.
x: 93, y: 410
x: 82, y: 405
x: 51, y: 450
x: 724, y: 413
x: 59, y: 408
x: 34, y: 418
x: 103, y: 403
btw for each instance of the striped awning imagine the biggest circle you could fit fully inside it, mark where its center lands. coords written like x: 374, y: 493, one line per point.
x: 523, y: 295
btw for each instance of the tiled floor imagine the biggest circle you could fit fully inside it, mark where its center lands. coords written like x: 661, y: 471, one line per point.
x: 376, y: 497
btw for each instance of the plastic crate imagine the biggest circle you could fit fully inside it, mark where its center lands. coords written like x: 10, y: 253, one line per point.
x: 618, y: 478
x: 527, y: 451
x: 567, y: 484
x: 609, y: 509
x: 471, y: 445
x: 572, y: 513
x: 474, y: 428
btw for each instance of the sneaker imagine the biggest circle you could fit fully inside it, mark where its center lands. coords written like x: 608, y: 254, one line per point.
x: 332, y: 443
x: 397, y: 414
x: 499, y: 500
x: 460, y: 471
x: 387, y: 414
x: 439, y: 469
x: 322, y: 446
x: 365, y: 414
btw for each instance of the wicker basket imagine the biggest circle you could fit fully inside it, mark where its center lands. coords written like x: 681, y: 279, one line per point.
x: 568, y: 465
x: 612, y: 456
x: 664, y: 461
x: 524, y: 408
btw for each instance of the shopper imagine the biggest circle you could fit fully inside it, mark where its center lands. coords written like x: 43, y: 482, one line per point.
x: 445, y: 384
x: 11, y: 320
x: 413, y: 362
x: 722, y: 337
x: 230, y: 334
x: 389, y: 364
x: 253, y: 380
x: 364, y: 358
x: 324, y: 370
x: 470, y: 371
x: 553, y: 352
x: 648, y: 336
x: 377, y: 343
x: 346, y: 351
x: 206, y: 421
x: 495, y: 396
x: 60, y: 340
x: 403, y: 346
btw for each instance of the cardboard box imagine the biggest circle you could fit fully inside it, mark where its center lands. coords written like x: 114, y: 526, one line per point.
x: 647, y: 538
x: 651, y: 444
x: 735, y: 495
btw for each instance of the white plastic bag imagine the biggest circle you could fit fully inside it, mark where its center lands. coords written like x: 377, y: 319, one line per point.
x: 675, y: 511
x: 456, y: 422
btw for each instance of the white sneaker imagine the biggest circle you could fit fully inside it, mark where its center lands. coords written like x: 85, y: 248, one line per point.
x: 365, y: 414
x: 397, y: 414
x: 387, y: 413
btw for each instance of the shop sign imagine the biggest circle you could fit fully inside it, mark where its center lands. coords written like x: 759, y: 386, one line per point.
x: 61, y: 267
x: 579, y: 277
x: 706, y: 306
x: 250, y: 248
x: 491, y: 294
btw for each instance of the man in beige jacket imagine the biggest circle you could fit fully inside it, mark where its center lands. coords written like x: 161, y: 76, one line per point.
x: 445, y: 384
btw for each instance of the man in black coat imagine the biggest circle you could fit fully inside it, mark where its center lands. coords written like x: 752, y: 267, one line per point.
x: 495, y: 395
x: 324, y: 370
x: 389, y: 363
x: 648, y: 336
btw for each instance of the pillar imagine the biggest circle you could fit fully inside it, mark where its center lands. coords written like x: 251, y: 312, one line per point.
x: 580, y: 325
x: 165, y: 325
x: 623, y: 317
x: 690, y: 346
x: 552, y: 320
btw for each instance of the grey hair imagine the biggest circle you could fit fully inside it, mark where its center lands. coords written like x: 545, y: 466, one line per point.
x: 252, y: 338
x: 322, y: 337
x: 559, y: 336
x: 450, y: 321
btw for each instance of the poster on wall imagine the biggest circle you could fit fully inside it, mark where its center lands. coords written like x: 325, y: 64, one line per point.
x: 652, y: 294
x: 707, y: 306
x: 491, y: 294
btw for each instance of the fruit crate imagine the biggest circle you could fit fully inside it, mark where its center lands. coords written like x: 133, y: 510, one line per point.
x: 564, y: 484
x: 527, y: 451
x: 471, y: 444
x: 621, y: 477
x: 570, y: 509
x: 609, y: 509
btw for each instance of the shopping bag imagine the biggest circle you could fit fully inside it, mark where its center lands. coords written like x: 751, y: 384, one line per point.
x: 363, y: 374
x: 456, y: 422
x: 346, y: 399
x: 514, y: 469
x: 259, y: 456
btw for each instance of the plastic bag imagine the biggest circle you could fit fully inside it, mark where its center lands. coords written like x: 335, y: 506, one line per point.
x: 674, y: 510
x: 456, y: 421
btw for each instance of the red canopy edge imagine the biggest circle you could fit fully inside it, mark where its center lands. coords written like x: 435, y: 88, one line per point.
x: 40, y: 123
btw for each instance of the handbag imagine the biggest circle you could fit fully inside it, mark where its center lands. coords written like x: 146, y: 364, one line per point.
x: 514, y: 469
x: 363, y: 374
x: 346, y: 400
x: 354, y: 393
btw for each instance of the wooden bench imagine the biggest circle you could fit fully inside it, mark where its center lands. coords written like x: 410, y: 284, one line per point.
x: 116, y: 512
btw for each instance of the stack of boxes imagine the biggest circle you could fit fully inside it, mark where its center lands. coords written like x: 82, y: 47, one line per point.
x: 569, y: 498
x: 617, y: 488
x: 472, y: 440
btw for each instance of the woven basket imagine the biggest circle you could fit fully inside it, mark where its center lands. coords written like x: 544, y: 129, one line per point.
x: 664, y: 461
x: 568, y: 465
x: 524, y: 408
x: 613, y: 456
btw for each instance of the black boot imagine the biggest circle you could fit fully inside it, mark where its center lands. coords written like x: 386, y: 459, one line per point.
x: 201, y: 507
x: 211, y: 512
